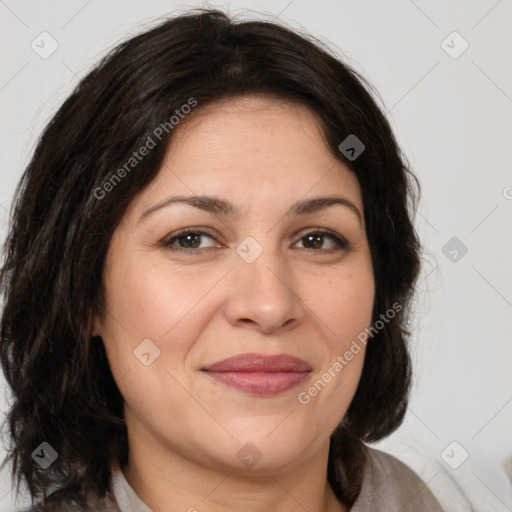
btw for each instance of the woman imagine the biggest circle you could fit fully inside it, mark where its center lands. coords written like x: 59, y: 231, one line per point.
x: 207, y: 279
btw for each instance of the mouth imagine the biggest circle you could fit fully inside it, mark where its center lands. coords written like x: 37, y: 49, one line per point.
x: 259, y: 374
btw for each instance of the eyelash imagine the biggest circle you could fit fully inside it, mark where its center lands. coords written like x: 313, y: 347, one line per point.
x: 339, y: 240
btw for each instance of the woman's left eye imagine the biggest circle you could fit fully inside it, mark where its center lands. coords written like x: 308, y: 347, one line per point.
x: 188, y: 240
x: 315, y: 238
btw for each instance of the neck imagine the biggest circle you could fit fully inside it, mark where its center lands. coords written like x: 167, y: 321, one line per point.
x: 192, y: 486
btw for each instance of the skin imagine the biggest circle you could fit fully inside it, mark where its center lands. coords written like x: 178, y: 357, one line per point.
x: 185, y: 428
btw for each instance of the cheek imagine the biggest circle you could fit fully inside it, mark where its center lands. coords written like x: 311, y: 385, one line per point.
x: 156, y: 302
x: 148, y: 302
x: 344, y: 304
x: 344, y: 307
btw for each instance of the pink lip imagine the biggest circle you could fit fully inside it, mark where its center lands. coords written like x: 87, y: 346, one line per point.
x: 259, y: 374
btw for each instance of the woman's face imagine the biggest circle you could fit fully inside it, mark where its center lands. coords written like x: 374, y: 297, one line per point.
x: 253, y: 278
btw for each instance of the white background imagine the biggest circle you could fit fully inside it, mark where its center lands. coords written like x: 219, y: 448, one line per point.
x: 452, y: 117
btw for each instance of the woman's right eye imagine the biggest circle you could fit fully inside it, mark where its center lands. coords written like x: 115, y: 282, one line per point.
x: 187, y: 240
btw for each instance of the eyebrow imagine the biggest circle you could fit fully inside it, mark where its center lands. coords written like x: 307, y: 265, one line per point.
x: 219, y: 206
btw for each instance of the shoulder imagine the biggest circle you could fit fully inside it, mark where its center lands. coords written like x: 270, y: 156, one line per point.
x: 389, y: 484
x: 391, y: 467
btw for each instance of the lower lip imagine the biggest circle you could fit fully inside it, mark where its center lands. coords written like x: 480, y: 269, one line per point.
x: 260, y: 383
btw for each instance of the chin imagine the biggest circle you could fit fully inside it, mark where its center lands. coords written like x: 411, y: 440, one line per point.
x: 260, y: 446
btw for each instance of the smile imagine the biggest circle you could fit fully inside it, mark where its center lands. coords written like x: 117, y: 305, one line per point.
x: 260, y: 374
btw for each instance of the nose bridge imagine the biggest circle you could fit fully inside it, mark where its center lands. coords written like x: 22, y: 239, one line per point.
x: 263, y: 289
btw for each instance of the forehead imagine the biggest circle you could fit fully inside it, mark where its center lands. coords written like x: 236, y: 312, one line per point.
x: 255, y: 113
x: 252, y: 148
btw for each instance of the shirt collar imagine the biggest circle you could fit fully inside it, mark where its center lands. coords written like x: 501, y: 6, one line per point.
x: 124, y: 495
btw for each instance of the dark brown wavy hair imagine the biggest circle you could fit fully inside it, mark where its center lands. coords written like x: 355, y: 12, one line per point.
x: 63, y: 391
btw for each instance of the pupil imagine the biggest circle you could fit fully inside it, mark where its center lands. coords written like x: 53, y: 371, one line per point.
x: 190, y: 238
x: 310, y: 238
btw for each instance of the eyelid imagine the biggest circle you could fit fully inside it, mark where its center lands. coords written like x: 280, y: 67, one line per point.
x: 316, y: 229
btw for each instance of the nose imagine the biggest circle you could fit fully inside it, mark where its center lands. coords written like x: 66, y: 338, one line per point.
x: 263, y: 295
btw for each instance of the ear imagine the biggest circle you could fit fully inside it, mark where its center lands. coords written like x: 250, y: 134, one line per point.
x: 96, y: 326
x: 96, y: 329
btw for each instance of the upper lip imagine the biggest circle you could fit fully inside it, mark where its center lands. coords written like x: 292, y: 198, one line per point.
x: 260, y: 363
